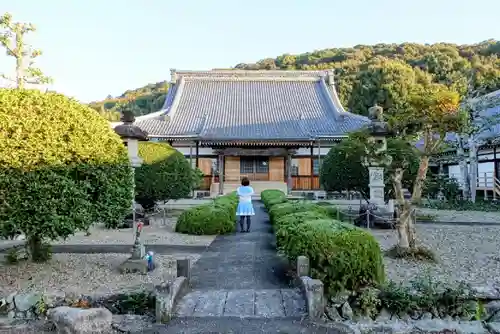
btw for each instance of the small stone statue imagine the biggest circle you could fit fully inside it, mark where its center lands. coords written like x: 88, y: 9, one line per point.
x: 138, y: 248
x: 376, y: 113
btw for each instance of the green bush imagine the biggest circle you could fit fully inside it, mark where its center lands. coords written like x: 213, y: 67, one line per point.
x: 164, y: 175
x: 293, y: 219
x: 282, y: 209
x: 217, y: 217
x: 62, y: 168
x: 341, y: 255
x: 271, y: 197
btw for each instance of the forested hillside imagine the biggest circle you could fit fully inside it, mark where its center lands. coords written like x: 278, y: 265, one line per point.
x: 143, y: 100
x: 366, y: 74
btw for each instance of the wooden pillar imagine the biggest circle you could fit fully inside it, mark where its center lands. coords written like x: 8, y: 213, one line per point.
x: 197, y: 154
x: 319, y: 159
x: 312, y: 166
x: 289, y: 173
x: 495, y: 172
x: 191, y: 155
x: 221, y: 174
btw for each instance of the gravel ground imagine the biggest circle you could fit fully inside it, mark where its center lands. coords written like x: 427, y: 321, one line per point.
x: 469, y: 253
x: 462, y: 216
x: 84, y: 274
x: 159, y: 232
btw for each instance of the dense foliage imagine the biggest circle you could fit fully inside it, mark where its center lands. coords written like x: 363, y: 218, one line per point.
x: 61, y: 167
x: 141, y: 101
x: 218, y: 217
x: 164, y: 175
x: 341, y: 255
x: 344, y: 167
x: 383, y: 73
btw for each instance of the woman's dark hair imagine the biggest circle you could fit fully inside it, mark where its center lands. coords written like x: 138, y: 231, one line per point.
x: 245, y: 181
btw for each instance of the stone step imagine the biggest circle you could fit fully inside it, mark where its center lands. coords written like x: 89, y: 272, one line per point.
x: 266, y: 303
x: 242, y: 325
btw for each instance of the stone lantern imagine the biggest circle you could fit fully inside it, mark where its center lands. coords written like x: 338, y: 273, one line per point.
x: 131, y: 135
x: 378, y: 130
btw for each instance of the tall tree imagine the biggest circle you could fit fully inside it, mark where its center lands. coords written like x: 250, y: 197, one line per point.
x: 12, y: 38
x: 432, y: 111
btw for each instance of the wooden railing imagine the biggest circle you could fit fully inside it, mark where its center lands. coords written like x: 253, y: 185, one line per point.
x: 305, y: 182
x: 486, y: 181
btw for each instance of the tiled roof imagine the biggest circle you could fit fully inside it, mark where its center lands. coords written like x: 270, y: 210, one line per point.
x: 246, y: 105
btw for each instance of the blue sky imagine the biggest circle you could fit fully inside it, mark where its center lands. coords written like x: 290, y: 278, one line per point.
x: 93, y: 48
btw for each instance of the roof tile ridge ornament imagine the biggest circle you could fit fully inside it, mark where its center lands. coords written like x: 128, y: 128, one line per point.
x: 173, y: 76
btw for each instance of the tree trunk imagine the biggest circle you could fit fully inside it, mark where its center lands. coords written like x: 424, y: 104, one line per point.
x: 405, y: 207
x: 19, y: 58
x: 35, y: 248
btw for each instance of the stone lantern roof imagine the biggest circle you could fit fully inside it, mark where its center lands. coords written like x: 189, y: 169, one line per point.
x: 128, y: 129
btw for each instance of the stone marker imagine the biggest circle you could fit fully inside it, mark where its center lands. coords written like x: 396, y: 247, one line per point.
x: 81, y: 321
x: 302, y: 266
x: 137, y: 261
x: 314, y: 291
x: 184, y: 268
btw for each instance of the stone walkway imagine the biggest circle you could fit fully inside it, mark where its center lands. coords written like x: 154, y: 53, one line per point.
x: 241, y: 275
x: 240, y: 285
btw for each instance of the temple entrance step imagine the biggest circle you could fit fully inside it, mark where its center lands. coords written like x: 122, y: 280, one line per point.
x: 264, y: 303
x: 258, y: 186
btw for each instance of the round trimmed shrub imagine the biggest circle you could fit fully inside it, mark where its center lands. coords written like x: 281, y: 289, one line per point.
x: 205, y: 219
x: 293, y: 219
x: 229, y: 203
x: 62, y: 168
x: 164, y: 175
x: 271, y: 197
x: 217, y: 217
x: 343, y: 256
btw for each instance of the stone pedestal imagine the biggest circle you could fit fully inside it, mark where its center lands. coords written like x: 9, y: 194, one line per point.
x: 376, y: 185
x: 138, y: 251
x: 133, y: 265
x: 184, y: 268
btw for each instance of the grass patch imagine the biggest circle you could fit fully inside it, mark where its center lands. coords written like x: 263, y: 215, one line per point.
x: 417, y: 253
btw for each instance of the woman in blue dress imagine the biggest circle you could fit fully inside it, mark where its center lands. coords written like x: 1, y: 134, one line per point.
x: 245, y: 207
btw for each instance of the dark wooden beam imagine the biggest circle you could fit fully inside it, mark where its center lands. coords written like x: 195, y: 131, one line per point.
x: 494, y: 162
x: 312, y: 164
x: 197, y: 154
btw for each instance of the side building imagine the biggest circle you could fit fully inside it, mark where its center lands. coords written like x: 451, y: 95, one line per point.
x: 273, y: 127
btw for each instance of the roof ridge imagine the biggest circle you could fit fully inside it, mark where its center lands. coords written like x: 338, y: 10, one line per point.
x: 249, y: 73
x: 262, y: 78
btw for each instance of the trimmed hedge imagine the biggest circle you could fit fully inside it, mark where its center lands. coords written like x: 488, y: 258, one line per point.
x: 282, y: 209
x: 271, y: 197
x: 217, y: 217
x: 343, y: 256
x: 164, y: 175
